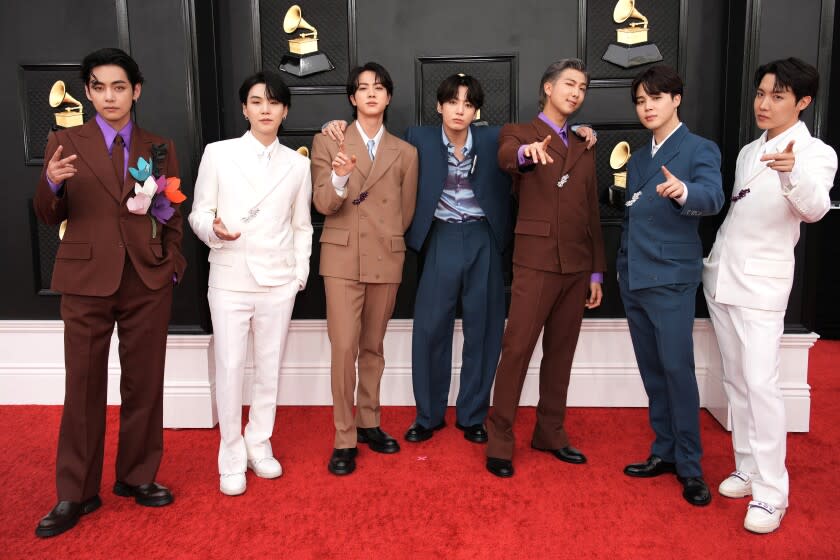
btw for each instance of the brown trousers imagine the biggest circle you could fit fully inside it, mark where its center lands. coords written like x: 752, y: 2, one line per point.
x: 357, y: 316
x: 539, y: 300
x: 142, y: 318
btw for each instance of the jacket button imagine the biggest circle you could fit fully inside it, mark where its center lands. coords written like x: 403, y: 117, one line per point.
x: 120, y: 245
x: 377, y: 277
x: 363, y: 234
x: 362, y: 215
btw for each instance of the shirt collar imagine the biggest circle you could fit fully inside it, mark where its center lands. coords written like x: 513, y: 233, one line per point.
x: 468, y: 145
x: 109, y: 133
x: 778, y: 143
x: 377, y: 137
x: 257, y: 147
x: 654, y: 147
x: 557, y: 129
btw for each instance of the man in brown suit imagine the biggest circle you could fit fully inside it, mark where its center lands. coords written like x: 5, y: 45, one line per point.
x: 113, y: 265
x: 366, y: 188
x: 558, y: 262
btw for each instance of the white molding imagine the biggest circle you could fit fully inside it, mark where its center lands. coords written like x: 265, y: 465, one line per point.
x: 604, y: 372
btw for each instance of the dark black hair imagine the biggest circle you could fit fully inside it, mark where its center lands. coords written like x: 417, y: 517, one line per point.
x: 113, y: 56
x: 275, y: 88
x: 382, y: 77
x: 791, y: 74
x: 448, y: 89
x: 555, y: 69
x: 656, y: 80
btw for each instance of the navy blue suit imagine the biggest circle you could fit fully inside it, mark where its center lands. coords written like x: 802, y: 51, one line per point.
x: 659, y: 265
x: 460, y: 261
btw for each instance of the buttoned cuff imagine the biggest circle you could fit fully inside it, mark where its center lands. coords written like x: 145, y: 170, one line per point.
x: 789, y: 179
x: 597, y: 277
x: 56, y: 188
x: 340, y: 183
x: 520, y: 156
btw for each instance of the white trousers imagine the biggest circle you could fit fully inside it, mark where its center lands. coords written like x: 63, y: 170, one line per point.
x: 749, y: 345
x: 234, y: 314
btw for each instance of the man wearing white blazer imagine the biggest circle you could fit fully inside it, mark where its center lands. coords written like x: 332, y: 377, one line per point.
x: 252, y: 208
x: 781, y: 179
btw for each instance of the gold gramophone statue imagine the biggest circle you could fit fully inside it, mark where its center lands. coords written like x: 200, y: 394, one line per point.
x: 303, y: 58
x: 619, y: 157
x: 631, y: 47
x: 73, y: 114
x: 304, y: 151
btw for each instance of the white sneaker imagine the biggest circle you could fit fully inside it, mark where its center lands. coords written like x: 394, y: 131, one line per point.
x: 267, y: 467
x: 736, y: 485
x: 762, y: 517
x: 232, y: 484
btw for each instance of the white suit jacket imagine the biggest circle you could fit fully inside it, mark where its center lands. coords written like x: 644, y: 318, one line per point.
x: 276, y: 241
x: 751, y: 263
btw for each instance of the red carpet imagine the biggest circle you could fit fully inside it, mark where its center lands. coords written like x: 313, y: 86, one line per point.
x: 432, y: 499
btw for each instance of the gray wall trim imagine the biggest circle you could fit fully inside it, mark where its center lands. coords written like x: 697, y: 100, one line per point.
x: 824, y: 67
x: 752, y: 30
x: 191, y: 64
x: 123, y: 31
x: 256, y: 38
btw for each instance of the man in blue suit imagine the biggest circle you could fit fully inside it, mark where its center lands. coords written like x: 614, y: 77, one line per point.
x: 461, y: 227
x: 669, y: 187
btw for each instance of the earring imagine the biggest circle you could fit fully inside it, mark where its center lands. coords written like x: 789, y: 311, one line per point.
x: 246, y: 117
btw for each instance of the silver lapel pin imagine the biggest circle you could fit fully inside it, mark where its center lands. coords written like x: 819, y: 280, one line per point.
x: 562, y: 182
x: 636, y: 196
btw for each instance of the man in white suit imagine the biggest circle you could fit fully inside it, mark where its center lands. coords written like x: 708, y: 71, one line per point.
x: 781, y: 180
x: 252, y: 208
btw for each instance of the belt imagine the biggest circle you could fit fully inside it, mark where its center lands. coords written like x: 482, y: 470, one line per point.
x: 466, y: 221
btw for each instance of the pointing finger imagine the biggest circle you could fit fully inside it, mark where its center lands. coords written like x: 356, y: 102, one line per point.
x: 789, y: 148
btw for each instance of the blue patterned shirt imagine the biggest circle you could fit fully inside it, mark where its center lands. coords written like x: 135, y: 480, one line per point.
x: 457, y: 202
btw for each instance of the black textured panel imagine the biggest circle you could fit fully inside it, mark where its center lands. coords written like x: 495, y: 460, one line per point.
x: 496, y: 74
x: 664, y: 26
x: 329, y: 17
x: 607, y: 139
x: 46, y: 246
x: 38, y: 116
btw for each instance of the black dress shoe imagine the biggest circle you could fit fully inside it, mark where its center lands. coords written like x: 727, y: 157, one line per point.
x: 695, y: 490
x: 568, y: 454
x: 654, y: 466
x: 151, y: 494
x: 417, y: 433
x: 343, y: 461
x: 377, y: 440
x: 64, y: 516
x: 502, y: 468
x: 475, y: 433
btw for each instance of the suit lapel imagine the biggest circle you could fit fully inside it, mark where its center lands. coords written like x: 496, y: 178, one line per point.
x: 558, y: 149
x: 277, y: 170
x: 665, y: 154
x: 90, y: 145
x: 386, y: 155
x: 141, y: 146
x: 353, y: 146
x: 245, y: 161
x: 576, y: 149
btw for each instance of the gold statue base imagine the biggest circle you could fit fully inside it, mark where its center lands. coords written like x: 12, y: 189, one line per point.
x: 69, y: 119
x: 631, y: 35
x: 303, y: 45
x: 620, y: 179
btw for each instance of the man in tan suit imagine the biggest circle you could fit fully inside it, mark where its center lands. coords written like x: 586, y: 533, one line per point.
x: 366, y: 188
x: 558, y: 262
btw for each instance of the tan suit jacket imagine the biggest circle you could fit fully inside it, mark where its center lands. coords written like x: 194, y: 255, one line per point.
x: 363, y: 234
x: 558, y: 229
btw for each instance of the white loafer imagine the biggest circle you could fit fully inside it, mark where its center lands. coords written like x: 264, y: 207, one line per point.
x: 762, y: 517
x: 736, y: 485
x: 267, y: 467
x: 232, y: 484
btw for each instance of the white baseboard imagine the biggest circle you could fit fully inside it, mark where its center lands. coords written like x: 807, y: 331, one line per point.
x: 604, y: 372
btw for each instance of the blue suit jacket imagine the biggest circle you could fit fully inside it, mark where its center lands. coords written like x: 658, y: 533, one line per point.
x: 491, y: 186
x: 659, y: 240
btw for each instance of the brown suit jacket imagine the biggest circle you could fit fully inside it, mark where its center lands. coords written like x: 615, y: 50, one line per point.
x: 100, y: 229
x: 363, y: 239
x: 558, y: 229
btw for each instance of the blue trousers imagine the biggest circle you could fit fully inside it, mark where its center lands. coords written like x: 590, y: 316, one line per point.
x: 462, y: 262
x: 661, y: 321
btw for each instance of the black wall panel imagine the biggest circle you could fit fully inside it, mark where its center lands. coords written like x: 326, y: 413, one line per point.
x: 195, y: 54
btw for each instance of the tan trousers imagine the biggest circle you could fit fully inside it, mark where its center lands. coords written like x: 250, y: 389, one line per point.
x: 357, y: 316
